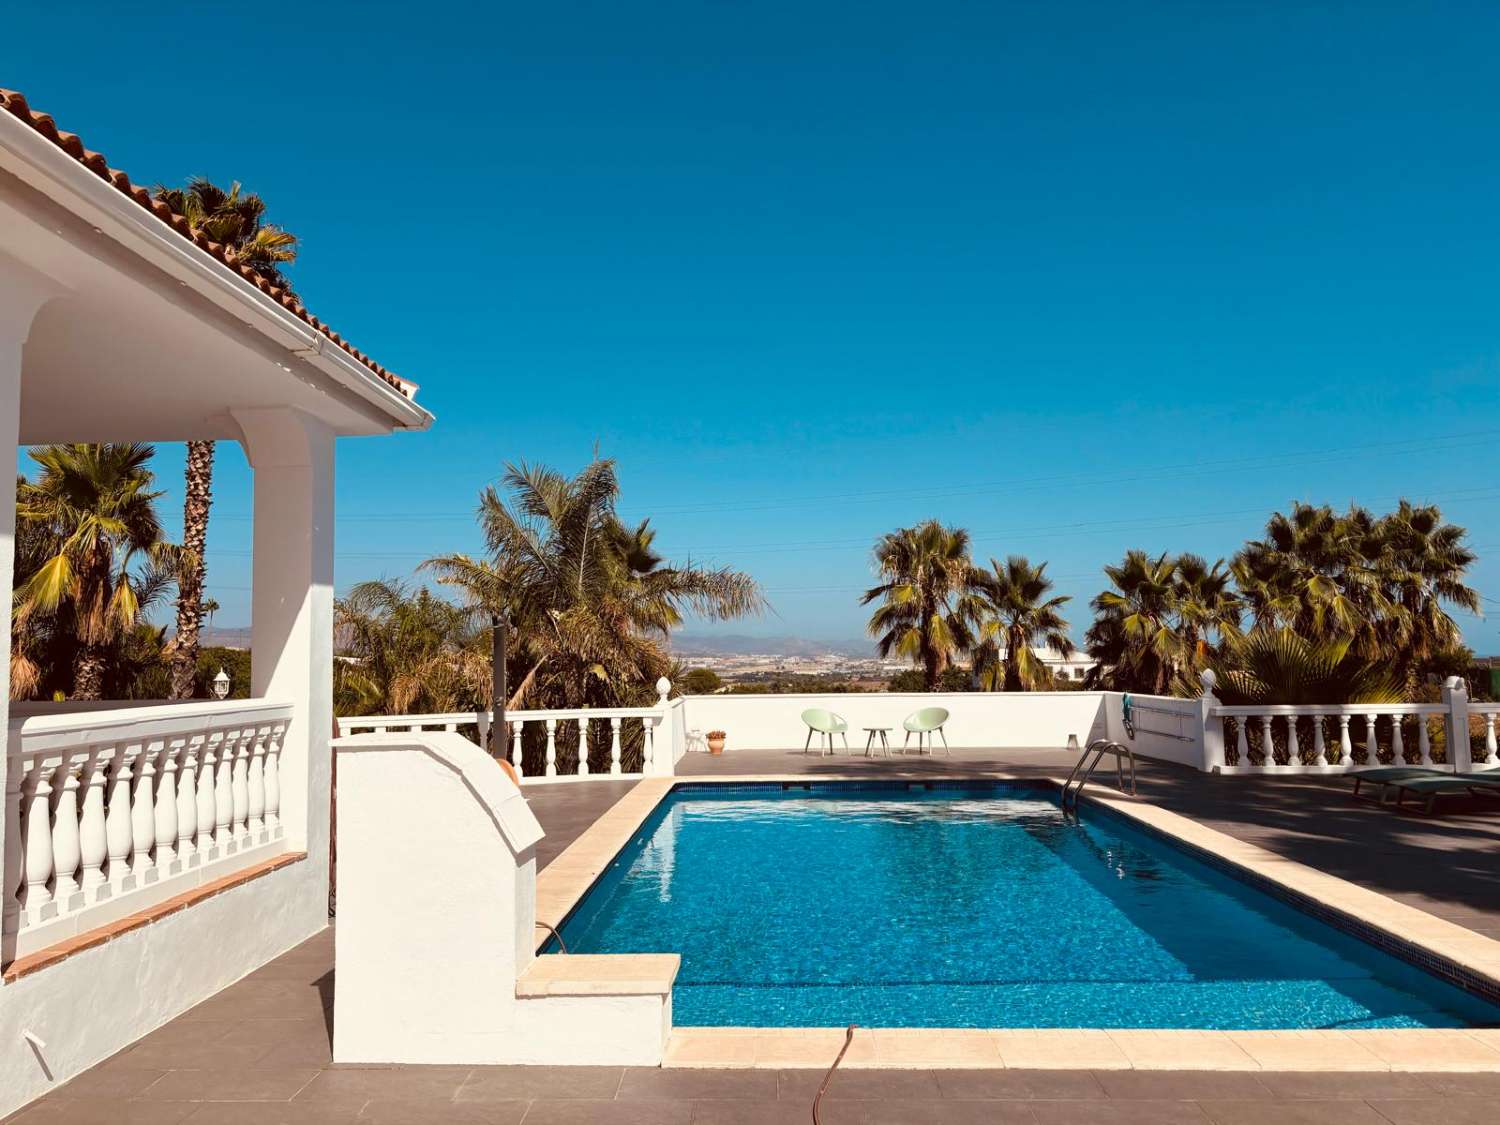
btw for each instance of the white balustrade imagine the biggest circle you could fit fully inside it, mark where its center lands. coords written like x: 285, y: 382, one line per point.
x: 108, y: 811
x: 553, y: 733
x: 1366, y: 717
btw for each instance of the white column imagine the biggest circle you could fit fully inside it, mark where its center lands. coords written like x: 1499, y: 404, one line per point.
x: 515, y: 748
x: 1456, y: 700
x: 1346, y: 748
x: 187, y: 803
x: 1424, y: 740
x: 1398, y: 747
x: 1372, y: 748
x: 1320, y: 748
x: 1267, y: 743
x: 292, y: 612
x: 551, y: 770
x: 614, y: 745
x: 583, y: 745
x: 1210, y: 725
x: 22, y: 295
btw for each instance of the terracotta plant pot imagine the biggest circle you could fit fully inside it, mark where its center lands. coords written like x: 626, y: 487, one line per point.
x: 716, y: 746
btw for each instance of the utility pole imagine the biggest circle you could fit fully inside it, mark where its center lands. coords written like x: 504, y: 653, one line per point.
x: 499, y: 689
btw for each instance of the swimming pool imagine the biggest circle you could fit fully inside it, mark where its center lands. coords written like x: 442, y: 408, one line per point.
x: 973, y: 905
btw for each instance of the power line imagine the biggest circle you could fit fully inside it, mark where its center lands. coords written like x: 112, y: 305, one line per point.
x: 1321, y: 456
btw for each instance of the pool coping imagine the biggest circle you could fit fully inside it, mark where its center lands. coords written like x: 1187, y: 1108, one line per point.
x: 1445, y: 948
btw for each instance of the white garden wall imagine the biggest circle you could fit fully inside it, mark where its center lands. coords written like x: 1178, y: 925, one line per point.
x: 979, y: 720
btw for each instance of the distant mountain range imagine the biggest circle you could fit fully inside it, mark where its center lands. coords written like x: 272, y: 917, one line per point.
x: 738, y: 644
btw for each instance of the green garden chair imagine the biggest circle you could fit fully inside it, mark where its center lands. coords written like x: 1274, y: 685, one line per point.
x: 924, y: 724
x: 825, y: 724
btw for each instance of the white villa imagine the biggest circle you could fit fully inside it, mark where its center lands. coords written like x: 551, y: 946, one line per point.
x: 155, y: 855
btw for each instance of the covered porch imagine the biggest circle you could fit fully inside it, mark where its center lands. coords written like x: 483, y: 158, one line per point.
x: 154, y: 854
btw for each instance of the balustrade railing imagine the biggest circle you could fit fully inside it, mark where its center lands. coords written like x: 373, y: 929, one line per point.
x: 581, y: 742
x: 109, y: 811
x: 1332, y: 739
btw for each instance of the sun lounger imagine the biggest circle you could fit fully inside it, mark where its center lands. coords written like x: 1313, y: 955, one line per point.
x: 1485, y: 783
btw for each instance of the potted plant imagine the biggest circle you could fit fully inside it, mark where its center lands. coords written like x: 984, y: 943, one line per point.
x: 716, y: 742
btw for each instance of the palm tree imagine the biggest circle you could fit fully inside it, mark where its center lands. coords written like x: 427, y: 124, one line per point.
x: 929, y: 599
x: 404, y: 652
x: 1134, y: 637
x: 590, y: 599
x: 236, y: 219
x: 1425, y: 562
x: 1319, y: 573
x: 1018, y: 616
x: 98, y: 513
x: 1269, y: 665
x: 1207, y: 606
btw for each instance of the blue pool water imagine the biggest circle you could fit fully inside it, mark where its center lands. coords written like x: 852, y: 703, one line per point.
x: 973, y: 907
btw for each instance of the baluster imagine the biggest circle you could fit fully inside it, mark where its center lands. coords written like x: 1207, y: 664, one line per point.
x: 213, y: 742
x: 1268, y: 743
x: 1320, y: 749
x: 1398, y: 745
x: 1346, y: 748
x: 551, y: 748
x: 1242, y: 739
x: 37, y: 794
x: 1424, y: 740
x: 583, y: 746
x: 240, y: 788
x: 93, y: 842
x: 1372, y: 748
x: 224, y: 795
x: 1293, y: 746
x: 166, y: 807
x: 614, y: 745
x: 257, y: 785
x: 1489, y: 738
x: 273, y: 780
x: 65, y: 844
x: 117, y: 830
x: 515, y: 749
x: 187, y: 804
x: 648, y: 744
x: 143, y: 818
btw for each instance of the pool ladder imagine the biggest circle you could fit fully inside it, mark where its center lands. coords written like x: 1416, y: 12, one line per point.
x: 1088, y: 762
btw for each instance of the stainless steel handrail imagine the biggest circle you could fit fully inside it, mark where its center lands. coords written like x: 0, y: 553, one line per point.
x: 1084, y: 768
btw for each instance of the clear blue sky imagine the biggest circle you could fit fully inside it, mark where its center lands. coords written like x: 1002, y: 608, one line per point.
x: 1079, y: 277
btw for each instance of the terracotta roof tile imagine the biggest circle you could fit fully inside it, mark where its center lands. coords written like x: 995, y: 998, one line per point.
x: 15, y: 104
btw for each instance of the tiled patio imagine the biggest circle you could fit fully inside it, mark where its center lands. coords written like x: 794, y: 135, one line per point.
x: 259, y: 1051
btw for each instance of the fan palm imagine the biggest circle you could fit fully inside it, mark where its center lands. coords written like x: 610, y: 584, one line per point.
x: 591, y: 600
x: 235, y: 219
x: 1269, y: 665
x: 106, y: 559
x: 1017, y: 617
x: 1134, y: 639
x: 929, y: 601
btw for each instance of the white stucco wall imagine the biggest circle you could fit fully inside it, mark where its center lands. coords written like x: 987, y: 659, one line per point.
x: 437, y: 907
x: 92, y: 1004
x: 978, y: 719
x: 1154, y: 731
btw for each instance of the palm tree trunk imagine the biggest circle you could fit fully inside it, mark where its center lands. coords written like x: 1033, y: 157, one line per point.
x: 88, y: 673
x: 195, y: 506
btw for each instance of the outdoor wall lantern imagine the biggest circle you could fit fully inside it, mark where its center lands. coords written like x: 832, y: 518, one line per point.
x: 221, y: 684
